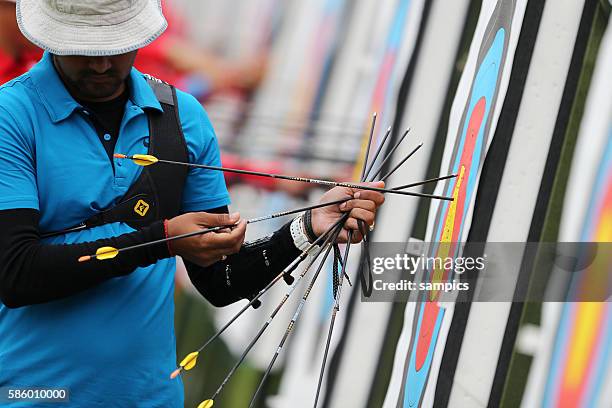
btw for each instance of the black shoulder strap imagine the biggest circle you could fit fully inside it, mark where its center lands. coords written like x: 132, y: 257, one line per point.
x: 166, y: 140
x: 164, y: 92
x: 158, y: 192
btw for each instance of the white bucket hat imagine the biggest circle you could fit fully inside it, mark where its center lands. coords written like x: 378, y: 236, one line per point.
x: 90, y: 27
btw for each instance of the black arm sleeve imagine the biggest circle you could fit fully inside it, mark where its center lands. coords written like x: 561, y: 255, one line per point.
x: 32, y: 272
x: 243, y: 275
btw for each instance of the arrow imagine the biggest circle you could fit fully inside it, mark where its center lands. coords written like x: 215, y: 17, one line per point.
x: 335, y: 310
x: 105, y: 253
x: 290, y: 327
x: 147, y: 160
x: 397, y: 166
x: 263, y: 328
x: 378, y: 150
x: 388, y: 156
x: 108, y: 252
x: 288, y: 269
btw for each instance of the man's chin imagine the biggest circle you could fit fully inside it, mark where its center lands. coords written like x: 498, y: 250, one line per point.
x: 99, y: 91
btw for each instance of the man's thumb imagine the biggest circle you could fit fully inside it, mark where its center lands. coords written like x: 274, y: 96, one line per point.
x: 227, y: 219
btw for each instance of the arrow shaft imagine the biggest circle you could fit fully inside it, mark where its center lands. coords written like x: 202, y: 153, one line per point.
x: 390, y: 154
x: 365, y: 160
x: 292, y: 323
x: 174, y: 238
x: 377, y: 153
x: 331, y: 323
x: 299, y: 210
x: 308, y: 180
x: 397, y: 166
x: 288, y: 269
x: 273, y: 315
x: 431, y: 180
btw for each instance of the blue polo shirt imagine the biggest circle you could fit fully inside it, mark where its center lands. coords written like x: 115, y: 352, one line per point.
x: 112, y: 345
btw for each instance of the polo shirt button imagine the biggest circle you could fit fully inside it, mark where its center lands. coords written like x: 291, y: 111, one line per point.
x: 107, y: 137
x: 119, y: 163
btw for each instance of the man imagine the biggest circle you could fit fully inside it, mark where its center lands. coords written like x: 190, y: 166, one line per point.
x: 17, y: 54
x: 103, y: 330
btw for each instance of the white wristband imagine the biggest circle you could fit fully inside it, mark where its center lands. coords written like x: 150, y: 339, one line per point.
x: 300, y: 239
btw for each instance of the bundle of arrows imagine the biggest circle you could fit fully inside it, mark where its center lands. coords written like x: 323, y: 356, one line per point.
x: 319, y: 250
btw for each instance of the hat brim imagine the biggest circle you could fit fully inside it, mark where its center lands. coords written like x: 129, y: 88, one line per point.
x: 62, y: 38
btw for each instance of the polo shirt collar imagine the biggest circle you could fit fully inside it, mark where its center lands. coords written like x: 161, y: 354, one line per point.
x: 141, y: 93
x: 60, y: 104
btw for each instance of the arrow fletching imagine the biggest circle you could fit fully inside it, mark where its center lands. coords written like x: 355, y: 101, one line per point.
x: 190, y: 361
x: 139, y: 159
x: 101, y: 254
x: 144, y: 159
x: 187, y: 364
x: 206, y: 404
x: 106, y: 253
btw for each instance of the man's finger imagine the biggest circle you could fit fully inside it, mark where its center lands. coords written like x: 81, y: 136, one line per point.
x: 343, y: 237
x: 352, y: 224
x: 374, y: 196
x: 361, y: 214
x: 356, y: 238
x: 228, y: 241
x: 216, y: 220
x: 364, y: 204
x: 238, y: 235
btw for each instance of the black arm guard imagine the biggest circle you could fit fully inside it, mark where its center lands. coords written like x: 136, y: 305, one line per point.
x: 243, y: 275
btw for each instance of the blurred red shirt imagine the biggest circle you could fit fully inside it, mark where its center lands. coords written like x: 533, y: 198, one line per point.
x: 11, y: 68
x: 152, y: 59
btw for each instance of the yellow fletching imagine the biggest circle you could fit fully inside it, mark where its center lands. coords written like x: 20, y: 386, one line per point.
x: 144, y: 159
x: 106, y: 253
x: 206, y: 404
x: 190, y: 361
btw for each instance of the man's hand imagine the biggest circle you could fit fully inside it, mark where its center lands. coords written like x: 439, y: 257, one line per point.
x: 206, y: 249
x: 363, y: 207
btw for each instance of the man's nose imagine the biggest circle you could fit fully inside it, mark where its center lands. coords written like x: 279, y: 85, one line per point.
x: 100, y: 64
